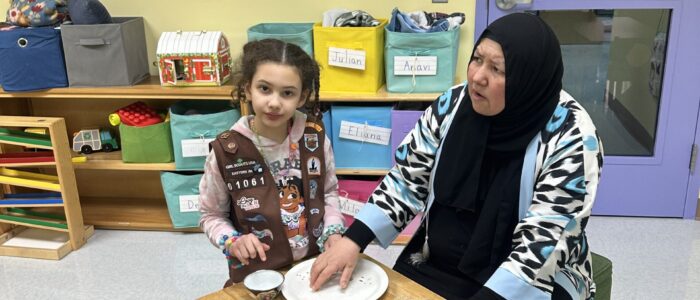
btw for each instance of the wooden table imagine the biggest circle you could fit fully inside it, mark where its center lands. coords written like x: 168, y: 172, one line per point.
x: 400, y: 287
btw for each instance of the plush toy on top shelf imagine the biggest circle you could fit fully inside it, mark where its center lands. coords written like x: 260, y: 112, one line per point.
x: 88, y: 140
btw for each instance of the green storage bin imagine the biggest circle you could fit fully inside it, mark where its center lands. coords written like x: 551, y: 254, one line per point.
x: 602, y: 276
x: 148, y: 144
x: 299, y: 34
x: 193, y: 132
x: 422, y: 47
x: 182, y: 196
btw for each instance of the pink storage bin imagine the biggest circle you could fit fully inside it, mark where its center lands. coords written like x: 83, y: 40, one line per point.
x: 353, y: 195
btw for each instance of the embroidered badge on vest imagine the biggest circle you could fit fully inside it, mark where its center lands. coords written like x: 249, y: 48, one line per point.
x: 314, y: 126
x: 248, y: 203
x: 311, y: 141
x: 313, y: 187
x: 313, y: 166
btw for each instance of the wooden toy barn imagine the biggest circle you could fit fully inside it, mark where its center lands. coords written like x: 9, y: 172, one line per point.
x: 198, y: 58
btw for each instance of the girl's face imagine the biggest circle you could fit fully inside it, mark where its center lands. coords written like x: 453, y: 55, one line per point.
x: 487, y: 78
x: 275, y: 92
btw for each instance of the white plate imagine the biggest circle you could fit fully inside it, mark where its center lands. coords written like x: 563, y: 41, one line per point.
x: 369, y: 281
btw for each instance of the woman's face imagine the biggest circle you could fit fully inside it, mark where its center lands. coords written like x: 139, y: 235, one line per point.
x: 487, y: 78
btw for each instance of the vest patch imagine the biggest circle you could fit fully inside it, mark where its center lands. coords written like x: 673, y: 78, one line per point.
x: 248, y: 203
x: 313, y: 187
x: 313, y: 166
x: 311, y: 141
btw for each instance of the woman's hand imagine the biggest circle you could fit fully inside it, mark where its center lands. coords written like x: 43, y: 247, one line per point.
x: 248, y: 247
x: 332, y: 239
x: 342, y: 257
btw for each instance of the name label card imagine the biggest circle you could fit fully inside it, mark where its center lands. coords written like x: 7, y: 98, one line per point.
x: 195, y: 147
x: 365, y: 133
x: 415, y: 65
x: 349, y: 206
x: 346, y: 58
x: 189, y: 203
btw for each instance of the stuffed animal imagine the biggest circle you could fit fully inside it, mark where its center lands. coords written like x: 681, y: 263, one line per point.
x: 88, y: 12
x: 36, y: 13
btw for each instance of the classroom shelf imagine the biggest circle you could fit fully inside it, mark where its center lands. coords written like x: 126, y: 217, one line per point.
x: 84, y: 107
x: 147, y: 89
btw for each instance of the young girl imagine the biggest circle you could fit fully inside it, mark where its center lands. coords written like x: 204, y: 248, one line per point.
x: 269, y: 196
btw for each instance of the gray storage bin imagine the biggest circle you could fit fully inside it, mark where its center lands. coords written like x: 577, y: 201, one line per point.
x: 106, y: 54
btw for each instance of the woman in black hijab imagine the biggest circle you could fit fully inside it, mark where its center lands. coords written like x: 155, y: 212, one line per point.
x: 505, y: 170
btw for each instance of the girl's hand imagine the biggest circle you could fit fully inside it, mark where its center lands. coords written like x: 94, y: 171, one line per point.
x: 248, y: 247
x: 332, y: 239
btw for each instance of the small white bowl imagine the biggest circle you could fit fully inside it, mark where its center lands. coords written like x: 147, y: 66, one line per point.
x: 264, y: 284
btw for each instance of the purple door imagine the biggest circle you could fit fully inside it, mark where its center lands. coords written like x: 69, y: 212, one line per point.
x: 635, y: 67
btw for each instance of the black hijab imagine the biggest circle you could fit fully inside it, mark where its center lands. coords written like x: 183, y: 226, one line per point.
x: 481, y: 157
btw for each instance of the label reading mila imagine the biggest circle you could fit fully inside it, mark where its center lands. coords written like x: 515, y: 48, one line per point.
x: 349, y: 206
x: 346, y: 58
x: 415, y: 65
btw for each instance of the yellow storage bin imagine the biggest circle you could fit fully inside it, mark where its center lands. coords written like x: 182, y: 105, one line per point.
x: 351, y: 58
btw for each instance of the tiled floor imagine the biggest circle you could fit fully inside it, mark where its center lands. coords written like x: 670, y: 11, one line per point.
x: 653, y: 259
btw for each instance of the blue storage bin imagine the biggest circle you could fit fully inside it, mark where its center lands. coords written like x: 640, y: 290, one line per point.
x: 440, y: 46
x: 350, y: 153
x: 328, y: 125
x: 32, y: 59
x: 194, y: 123
x: 182, y: 197
x: 300, y: 34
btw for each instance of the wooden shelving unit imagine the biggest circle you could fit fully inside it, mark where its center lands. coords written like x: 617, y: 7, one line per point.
x: 20, y: 213
x: 118, y: 195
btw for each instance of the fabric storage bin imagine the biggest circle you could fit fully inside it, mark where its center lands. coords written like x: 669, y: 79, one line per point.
x: 421, y: 62
x: 182, y: 197
x: 106, y: 54
x: 351, y: 58
x: 193, y: 125
x: 31, y: 59
x: 148, y: 144
x: 361, y: 136
x: 402, y: 122
x: 353, y: 195
x: 299, y: 34
x: 327, y: 124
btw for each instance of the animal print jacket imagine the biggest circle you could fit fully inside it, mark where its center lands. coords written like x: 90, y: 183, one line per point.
x: 557, y: 193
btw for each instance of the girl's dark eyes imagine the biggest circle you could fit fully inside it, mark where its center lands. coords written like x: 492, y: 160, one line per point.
x: 288, y: 93
x: 263, y: 88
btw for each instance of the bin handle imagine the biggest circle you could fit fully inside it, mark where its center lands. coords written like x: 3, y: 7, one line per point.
x: 92, y: 42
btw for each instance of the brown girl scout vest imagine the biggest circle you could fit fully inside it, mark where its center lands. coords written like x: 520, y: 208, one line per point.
x: 255, y: 196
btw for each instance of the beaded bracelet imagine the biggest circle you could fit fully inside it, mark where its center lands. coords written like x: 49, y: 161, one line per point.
x: 225, y: 241
x: 330, y: 230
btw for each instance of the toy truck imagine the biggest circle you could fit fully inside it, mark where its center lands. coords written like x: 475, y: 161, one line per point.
x: 88, y: 140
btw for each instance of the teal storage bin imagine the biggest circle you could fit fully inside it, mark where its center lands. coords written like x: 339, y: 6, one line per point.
x: 299, y: 34
x: 194, y: 123
x: 441, y: 46
x: 182, y: 196
x: 361, y: 154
